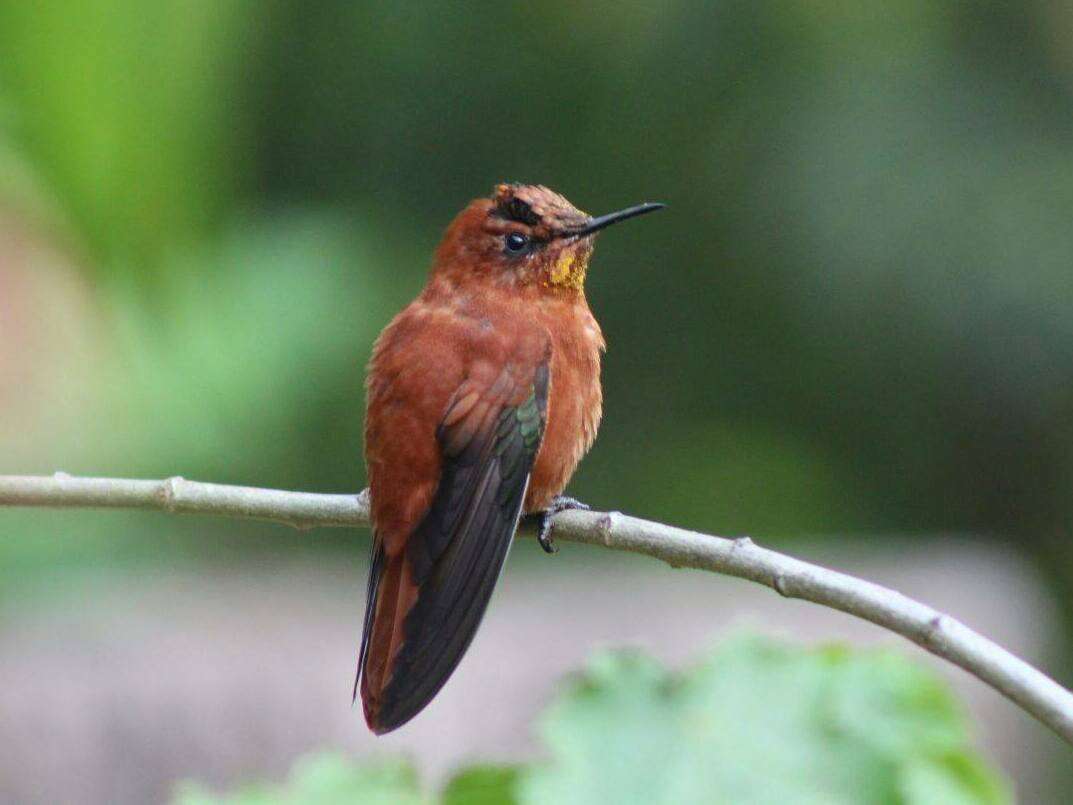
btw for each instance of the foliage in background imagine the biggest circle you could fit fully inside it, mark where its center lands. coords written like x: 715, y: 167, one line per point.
x: 756, y: 723
x: 853, y: 317
x: 126, y: 111
x: 855, y: 307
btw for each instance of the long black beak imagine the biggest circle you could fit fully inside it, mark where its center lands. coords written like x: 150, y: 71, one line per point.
x: 596, y: 224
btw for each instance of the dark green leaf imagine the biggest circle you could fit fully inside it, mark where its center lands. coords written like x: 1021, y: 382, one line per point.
x: 483, y: 785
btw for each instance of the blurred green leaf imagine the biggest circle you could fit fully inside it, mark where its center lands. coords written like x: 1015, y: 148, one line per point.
x: 126, y: 110
x: 238, y: 370
x: 327, y: 779
x: 482, y: 785
x: 954, y: 778
x: 759, y: 722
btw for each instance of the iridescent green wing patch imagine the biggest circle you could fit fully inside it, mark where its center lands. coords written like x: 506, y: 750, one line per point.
x: 458, y: 550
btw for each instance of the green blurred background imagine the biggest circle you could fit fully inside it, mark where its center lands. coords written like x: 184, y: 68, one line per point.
x: 855, y: 318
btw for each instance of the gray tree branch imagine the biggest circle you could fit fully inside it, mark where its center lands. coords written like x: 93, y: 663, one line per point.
x: 942, y: 635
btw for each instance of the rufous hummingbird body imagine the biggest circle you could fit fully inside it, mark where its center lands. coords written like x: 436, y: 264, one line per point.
x: 482, y: 396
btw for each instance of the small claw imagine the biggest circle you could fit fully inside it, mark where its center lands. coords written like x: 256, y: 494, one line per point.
x: 544, y: 535
x: 560, y: 503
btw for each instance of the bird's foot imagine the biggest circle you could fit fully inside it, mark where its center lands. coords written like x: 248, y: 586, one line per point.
x: 559, y: 503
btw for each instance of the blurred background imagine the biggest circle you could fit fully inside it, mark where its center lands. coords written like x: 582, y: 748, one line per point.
x: 850, y: 336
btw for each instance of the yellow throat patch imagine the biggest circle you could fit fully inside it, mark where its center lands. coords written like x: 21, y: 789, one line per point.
x: 569, y: 270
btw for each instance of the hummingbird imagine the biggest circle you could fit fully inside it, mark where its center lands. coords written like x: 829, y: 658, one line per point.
x: 482, y: 396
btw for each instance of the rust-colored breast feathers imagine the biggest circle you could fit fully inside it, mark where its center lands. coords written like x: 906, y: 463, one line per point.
x: 575, y: 400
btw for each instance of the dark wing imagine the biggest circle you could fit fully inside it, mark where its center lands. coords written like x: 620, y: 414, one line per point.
x: 376, y: 570
x: 489, y: 441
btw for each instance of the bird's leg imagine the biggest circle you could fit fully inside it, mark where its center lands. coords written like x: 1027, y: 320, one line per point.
x: 559, y: 503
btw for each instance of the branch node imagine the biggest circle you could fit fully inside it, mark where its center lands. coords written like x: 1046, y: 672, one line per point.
x: 778, y: 582
x: 743, y: 543
x: 60, y: 475
x: 936, y: 626
x: 169, y: 492
x: 606, y: 528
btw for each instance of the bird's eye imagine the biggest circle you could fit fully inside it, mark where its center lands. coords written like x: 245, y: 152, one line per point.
x: 517, y: 242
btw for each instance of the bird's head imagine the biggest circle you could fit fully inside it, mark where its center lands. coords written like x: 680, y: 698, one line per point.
x: 525, y: 236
